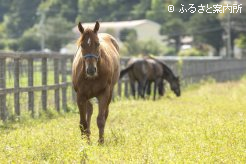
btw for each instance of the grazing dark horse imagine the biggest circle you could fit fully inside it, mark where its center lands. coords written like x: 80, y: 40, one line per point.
x: 148, y: 70
x: 169, y: 76
x: 95, y: 71
x: 141, y: 71
x: 160, y: 87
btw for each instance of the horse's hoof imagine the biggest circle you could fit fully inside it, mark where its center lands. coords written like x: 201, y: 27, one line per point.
x: 89, y: 141
x: 101, y: 141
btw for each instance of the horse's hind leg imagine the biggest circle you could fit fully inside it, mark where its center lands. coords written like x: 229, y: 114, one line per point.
x: 140, y: 89
x: 82, y: 111
x: 148, y: 89
x: 89, y: 111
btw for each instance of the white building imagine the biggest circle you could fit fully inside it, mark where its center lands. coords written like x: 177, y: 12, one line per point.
x: 145, y: 29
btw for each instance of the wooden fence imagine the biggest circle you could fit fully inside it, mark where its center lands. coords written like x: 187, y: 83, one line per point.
x: 60, y: 72
x: 52, y: 72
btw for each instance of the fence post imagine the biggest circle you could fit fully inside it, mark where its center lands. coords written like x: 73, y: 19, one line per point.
x: 56, y: 79
x: 30, y: 84
x: 17, y: 86
x: 44, y: 83
x: 73, y: 92
x: 119, y: 88
x: 64, y: 81
x: 3, y: 108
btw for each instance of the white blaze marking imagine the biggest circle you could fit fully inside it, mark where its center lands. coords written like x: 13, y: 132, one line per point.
x: 89, y: 41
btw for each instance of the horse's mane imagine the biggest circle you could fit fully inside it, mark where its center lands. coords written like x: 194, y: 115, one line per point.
x: 79, y: 41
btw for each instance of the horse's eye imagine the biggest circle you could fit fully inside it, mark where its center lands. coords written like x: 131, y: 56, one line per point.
x: 83, y: 46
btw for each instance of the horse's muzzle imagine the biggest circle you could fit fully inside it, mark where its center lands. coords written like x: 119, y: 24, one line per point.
x: 91, y: 71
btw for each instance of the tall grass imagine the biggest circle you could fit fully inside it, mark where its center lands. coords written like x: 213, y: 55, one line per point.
x: 206, y: 125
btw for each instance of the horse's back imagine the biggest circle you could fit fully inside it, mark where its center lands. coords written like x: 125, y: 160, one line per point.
x: 140, y: 69
x: 108, y: 39
x: 155, y: 69
x: 111, y: 51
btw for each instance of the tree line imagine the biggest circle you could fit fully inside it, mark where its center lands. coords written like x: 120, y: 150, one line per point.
x: 23, y: 23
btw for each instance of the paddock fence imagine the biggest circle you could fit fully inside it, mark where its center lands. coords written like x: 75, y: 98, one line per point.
x: 33, y: 82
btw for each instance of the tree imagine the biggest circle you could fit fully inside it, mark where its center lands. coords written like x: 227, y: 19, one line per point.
x: 60, y: 8
x: 157, y: 11
x: 57, y: 33
x: 4, y: 8
x: 139, y: 10
x: 29, y: 40
x: 174, y: 29
x: 207, y: 28
x: 107, y: 10
x: 21, y: 16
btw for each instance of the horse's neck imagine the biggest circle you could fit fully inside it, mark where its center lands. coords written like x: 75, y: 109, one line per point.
x: 169, y: 76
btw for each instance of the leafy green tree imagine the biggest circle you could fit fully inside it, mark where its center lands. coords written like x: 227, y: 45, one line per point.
x: 151, y: 47
x: 206, y: 28
x: 128, y: 35
x: 107, y: 10
x: 21, y: 16
x: 129, y: 38
x: 60, y: 8
x: 4, y: 8
x: 29, y: 40
x: 140, y: 9
x: 57, y: 33
x: 157, y: 11
x: 174, y: 29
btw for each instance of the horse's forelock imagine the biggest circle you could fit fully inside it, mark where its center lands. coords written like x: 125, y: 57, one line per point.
x: 87, y: 37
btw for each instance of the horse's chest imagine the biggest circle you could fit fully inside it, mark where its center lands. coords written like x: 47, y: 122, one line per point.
x: 90, y: 88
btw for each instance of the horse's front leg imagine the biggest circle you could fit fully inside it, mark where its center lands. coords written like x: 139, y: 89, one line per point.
x: 157, y: 83
x: 155, y: 87
x: 104, y: 100
x: 89, y: 110
x: 82, y: 111
x: 132, y: 83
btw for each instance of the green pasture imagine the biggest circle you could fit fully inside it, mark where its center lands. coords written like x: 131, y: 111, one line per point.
x: 207, y: 124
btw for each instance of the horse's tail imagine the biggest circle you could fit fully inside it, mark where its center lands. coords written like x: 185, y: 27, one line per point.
x: 124, y: 71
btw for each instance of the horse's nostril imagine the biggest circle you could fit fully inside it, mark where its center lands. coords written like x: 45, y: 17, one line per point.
x: 91, y: 71
x: 88, y: 71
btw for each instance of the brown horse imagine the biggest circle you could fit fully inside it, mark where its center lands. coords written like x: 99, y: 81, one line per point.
x: 95, y: 71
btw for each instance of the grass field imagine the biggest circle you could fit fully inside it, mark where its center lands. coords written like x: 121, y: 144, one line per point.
x: 206, y: 125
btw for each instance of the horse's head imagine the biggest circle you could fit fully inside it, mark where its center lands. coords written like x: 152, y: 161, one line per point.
x: 175, y: 86
x: 89, y: 43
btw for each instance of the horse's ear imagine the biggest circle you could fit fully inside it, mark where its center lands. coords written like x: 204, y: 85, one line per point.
x: 81, y: 28
x: 96, y: 28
